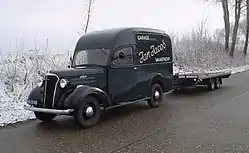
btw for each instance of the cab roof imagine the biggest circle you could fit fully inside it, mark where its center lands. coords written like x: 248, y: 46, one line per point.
x: 111, y: 38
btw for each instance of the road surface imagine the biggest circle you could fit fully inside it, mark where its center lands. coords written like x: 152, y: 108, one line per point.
x: 193, y: 121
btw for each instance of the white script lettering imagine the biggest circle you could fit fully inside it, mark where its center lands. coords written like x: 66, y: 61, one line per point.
x: 154, y: 51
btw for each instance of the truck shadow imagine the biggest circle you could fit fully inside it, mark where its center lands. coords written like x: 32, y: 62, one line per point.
x: 192, y: 91
x: 107, y: 118
x: 199, y: 92
x: 196, y: 91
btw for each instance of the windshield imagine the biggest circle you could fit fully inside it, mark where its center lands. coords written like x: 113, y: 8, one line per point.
x: 91, y: 57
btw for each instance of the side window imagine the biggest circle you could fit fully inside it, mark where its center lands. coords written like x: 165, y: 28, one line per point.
x: 123, y: 57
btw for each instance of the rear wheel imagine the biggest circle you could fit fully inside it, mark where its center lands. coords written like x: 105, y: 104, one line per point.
x: 156, y: 96
x: 88, y: 113
x: 44, y: 116
x: 211, y: 84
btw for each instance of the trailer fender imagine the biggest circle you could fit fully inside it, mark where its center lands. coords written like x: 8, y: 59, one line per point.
x: 81, y: 92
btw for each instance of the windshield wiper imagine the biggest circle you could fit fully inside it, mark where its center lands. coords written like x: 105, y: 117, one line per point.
x: 104, y: 51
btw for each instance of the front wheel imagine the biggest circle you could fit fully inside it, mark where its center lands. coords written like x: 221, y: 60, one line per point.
x: 156, y: 96
x: 45, y: 117
x: 88, y: 113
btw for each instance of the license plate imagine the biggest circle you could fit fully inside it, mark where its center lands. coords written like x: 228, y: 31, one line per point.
x: 32, y: 102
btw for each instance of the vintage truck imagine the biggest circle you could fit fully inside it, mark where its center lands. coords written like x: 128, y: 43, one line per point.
x: 112, y: 68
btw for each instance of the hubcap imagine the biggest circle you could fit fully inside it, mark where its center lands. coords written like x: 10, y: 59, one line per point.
x: 89, y: 111
x: 157, y: 95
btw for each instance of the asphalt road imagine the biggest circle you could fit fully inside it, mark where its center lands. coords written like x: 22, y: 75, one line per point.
x: 193, y: 121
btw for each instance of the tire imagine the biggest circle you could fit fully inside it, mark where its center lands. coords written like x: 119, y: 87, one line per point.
x: 211, y: 84
x: 155, y: 101
x: 81, y: 117
x: 44, y: 116
x: 217, y: 83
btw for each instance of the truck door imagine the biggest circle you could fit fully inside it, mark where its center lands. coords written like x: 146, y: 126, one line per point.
x: 122, y: 77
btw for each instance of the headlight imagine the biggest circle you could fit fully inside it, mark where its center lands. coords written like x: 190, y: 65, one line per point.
x: 40, y: 83
x: 63, y: 83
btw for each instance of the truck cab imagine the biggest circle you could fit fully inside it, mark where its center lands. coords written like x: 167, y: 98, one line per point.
x: 109, y: 68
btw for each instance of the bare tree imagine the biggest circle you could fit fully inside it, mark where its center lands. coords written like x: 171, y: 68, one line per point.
x: 226, y: 19
x: 226, y: 23
x: 89, y: 4
x: 247, y: 28
x: 236, y: 25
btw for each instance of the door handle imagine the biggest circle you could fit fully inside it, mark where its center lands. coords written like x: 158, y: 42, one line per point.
x: 135, y: 68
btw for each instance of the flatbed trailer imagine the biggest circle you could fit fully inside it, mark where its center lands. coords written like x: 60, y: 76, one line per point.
x: 212, y: 80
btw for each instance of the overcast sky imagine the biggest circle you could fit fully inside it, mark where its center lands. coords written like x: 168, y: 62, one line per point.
x: 59, y: 20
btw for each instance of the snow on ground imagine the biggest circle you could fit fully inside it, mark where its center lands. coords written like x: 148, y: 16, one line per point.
x: 233, y: 70
x: 11, y: 112
x: 239, y: 69
x: 18, y: 75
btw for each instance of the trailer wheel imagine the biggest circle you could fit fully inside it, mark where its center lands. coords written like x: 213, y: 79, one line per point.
x: 156, y: 96
x: 217, y: 83
x: 211, y: 84
x: 88, y: 112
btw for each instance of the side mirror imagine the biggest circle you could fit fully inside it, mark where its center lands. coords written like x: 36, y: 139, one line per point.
x: 121, y: 55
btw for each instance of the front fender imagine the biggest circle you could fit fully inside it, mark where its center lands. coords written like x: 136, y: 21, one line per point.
x: 72, y: 101
x: 35, y: 94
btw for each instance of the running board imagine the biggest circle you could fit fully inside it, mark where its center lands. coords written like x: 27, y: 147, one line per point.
x: 126, y: 103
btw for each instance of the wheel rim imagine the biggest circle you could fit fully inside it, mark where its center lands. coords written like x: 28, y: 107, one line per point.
x: 157, y: 96
x: 89, y: 112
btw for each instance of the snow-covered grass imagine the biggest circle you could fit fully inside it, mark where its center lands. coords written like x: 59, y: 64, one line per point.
x: 20, y: 72
x: 239, y: 69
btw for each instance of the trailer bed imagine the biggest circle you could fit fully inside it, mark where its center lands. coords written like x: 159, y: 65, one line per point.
x: 186, y: 80
x: 225, y: 74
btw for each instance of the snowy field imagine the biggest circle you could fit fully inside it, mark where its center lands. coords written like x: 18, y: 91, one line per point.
x: 19, y: 74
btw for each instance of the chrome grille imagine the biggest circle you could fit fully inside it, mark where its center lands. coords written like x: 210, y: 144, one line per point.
x: 50, y: 86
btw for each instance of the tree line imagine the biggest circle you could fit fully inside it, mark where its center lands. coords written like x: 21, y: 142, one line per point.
x: 239, y: 11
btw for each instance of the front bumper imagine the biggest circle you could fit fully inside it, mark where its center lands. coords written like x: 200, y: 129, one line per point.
x: 50, y: 111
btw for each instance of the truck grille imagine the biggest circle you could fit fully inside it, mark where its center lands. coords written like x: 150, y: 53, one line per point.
x: 50, y: 86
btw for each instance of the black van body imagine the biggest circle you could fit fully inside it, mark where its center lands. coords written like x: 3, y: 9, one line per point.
x: 109, y: 68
